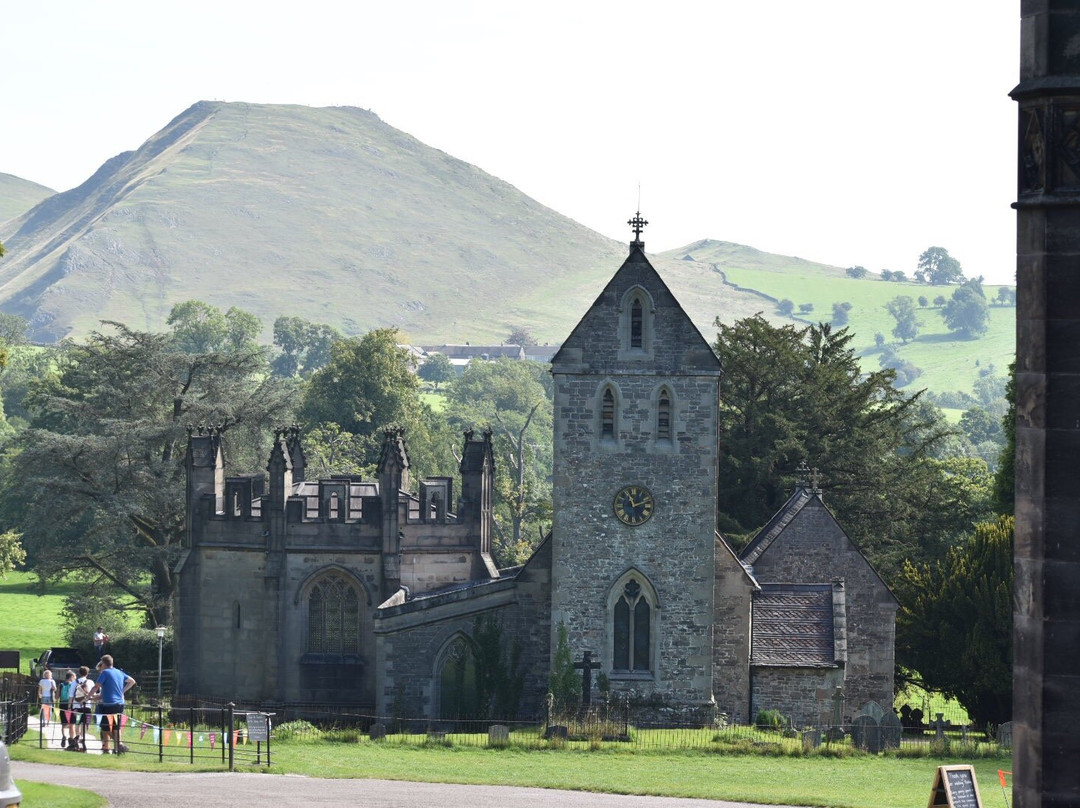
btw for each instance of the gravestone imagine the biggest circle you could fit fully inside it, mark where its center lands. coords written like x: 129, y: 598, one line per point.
x: 939, y: 725
x: 866, y: 733
x: 586, y: 666
x: 556, y: 731
x: 891, y: 731
x: 873, y: 709
x: 811, y: 739
x: 1004, y: 735
x: 377, y: 732
x: 498, y: 735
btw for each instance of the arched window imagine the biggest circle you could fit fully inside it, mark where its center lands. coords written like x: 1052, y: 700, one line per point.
x: 333, y: 616
x: 607, y: 415
x: 636, y: 324
x: 457, y: 681
x: 632, y: 630
x: 663, y: 415
x: 333, y: 506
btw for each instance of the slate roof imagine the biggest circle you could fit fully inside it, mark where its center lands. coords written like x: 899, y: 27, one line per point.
x: 793, y: 626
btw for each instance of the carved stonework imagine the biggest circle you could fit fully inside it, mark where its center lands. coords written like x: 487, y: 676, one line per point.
x: 1068, y: 149
x: 1032, y: 152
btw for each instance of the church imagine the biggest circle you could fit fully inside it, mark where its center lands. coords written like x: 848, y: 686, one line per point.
x: 371, y: 592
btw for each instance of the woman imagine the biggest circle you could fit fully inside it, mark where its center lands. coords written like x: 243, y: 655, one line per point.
x: 47, y: 696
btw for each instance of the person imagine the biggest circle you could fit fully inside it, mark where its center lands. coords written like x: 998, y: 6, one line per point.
x: 67, y: 714
x: 82, y: 704
x: 46, y: 695
x: 112, y: 684
x: 100, y: 638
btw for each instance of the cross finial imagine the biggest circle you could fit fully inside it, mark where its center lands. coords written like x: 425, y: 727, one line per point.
x: 802, y: 472
x: 637, y: 224
x: 815, y: 480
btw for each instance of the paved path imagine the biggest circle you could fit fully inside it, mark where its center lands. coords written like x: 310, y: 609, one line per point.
x: 124, y: 789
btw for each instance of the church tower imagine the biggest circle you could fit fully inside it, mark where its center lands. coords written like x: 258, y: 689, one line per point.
x: 635, y: 465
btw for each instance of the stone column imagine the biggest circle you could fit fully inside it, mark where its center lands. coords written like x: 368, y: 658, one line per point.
x: 1046, y: 688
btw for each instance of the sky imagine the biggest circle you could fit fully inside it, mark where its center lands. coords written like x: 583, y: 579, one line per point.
x: 849, y: 132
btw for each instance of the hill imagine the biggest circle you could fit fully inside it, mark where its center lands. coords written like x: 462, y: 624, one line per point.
x: 18, y: 195
x: 948, y: 362
x: 327, y: 214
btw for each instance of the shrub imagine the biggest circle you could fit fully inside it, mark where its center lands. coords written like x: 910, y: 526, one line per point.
x: 771, y: 720
x: 297, y: 730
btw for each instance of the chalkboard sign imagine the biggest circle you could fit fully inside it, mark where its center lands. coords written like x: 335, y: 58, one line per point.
x: 955, y: 787
x: 258, y: 726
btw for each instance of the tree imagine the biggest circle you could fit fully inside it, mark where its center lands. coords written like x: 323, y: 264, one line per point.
x: 564, y: 682
x: 955, y: 623
x: 242, y: 330
x: 840, y: 313
x: 790, y: 395
x: 97, y: 482
x: 12, y: 329
x: 515, y: 399
x: 12, y: 553
x: 939, y: 301
x: 980, y: 426
x: 369, y: 386
x: 856, y: 272
x: 886, y: 274
x: 879, y: 340
x: 198, y: 327
x: 899, y: 276
x: 902, y: 308
x: 1005, y: 476
x: 937, y: 268
x: 305, y: 346
x: 1006, y: 296
x: 923, y: 302
x: 785, y: 307
x: 520, y: 336
x: 967, y: 312
x: 437, y: 368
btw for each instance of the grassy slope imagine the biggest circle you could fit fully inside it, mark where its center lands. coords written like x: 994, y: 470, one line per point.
x: 30, y: 622
x: 948, y: 363
x: 327, y: 214
x: 18, y: 195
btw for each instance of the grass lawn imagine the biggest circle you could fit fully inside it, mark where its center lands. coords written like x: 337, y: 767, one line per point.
x: 31, y: 622
x: 42, y: 794
x: 858, y: 782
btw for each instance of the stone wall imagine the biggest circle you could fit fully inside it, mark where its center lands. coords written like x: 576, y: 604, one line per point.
x: 801, y: 694
x: 731, y: 636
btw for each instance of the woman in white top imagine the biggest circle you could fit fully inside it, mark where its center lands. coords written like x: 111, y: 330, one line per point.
x: 46, y: 695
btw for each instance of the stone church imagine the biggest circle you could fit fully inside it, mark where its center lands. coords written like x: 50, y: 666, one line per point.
x: 368, y: 593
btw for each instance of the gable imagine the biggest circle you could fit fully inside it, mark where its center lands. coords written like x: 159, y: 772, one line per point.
x: 598, y: 343
x: 805, y: 542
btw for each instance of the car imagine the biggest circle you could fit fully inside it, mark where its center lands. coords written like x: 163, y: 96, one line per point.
x: 10, y: 796
x: 57, y: 660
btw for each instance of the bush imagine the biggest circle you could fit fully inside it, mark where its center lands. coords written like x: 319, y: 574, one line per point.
x: 297, y: 730
x: 137, y: 650
x: 771, y: 720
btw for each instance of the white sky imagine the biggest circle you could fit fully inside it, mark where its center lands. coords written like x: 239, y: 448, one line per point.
x: 842, y: 131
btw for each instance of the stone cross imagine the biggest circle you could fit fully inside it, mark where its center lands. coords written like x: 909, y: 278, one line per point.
x: 586, y: 666
x: 940, y: 725
x: 838, y: 706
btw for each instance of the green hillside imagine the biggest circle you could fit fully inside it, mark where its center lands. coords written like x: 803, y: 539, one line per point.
x: 947, y: 361
x: 327, y: 214
x: 18, y: 195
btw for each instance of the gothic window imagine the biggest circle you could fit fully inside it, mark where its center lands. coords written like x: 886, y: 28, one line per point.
x: 607, y: 415
x: 457, y: 682
x: 236, y: 509
x: 663, y: 416
x: 636, y: 324
x: 333, y: 616
x: 333, y: 506
x: 632, y: 630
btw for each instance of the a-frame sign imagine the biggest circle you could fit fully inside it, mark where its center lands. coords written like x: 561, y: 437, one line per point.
x: 955, y: 787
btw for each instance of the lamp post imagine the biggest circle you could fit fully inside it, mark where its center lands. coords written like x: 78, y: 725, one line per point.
x: 160, y: 639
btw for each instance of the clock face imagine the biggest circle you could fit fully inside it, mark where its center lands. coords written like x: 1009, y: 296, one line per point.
x: 634, y: 505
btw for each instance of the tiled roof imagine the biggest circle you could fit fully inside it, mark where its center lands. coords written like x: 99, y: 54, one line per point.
x: 781, y: 519
x: 793, y: 626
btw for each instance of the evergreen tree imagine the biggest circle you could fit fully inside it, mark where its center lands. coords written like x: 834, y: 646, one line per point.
x: 955, y: 624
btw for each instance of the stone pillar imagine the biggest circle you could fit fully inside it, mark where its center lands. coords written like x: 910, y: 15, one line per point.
x: 1046, y: 706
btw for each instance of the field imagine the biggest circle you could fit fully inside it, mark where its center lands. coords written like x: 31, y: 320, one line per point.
x: 947, y: 362
x: 31, y: 622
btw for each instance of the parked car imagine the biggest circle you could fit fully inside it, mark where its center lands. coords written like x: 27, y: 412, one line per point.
x: 10, y: 796
x: 57, y: 660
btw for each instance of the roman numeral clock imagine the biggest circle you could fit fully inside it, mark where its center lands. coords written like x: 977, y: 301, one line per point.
x: 633, y: 505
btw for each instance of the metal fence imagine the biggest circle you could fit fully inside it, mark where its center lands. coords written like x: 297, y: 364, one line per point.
x: 222, y: 734
x: 13, y: 718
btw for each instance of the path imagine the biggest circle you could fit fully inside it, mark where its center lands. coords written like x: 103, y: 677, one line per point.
x: 124, y: 789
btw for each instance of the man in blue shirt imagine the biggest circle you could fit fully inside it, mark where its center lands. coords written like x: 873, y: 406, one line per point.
x: 112, y: 684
